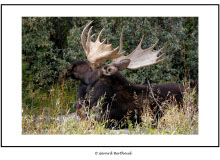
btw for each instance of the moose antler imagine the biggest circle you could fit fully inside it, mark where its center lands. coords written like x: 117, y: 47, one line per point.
x: 98, y: 52
x: 140, y: 58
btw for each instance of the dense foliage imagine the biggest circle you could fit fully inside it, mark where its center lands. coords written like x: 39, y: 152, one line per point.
x: 50, y: 44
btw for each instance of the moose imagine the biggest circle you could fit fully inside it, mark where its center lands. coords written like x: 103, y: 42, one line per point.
x: 122, y: 98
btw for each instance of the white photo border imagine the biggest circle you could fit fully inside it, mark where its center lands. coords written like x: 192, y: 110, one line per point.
x: 208, y: 74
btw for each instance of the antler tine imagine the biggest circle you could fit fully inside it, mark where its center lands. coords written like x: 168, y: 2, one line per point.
x: 88, y: 40
x: 100, y: 35
x: 92, y: 36
x: 152, y: 47
x: 163, y: 54
x: 83, y: 36
x: 89, y: 34
x: 140, y: 43
x: 104, y: 41
x: 107, y: 40
x: 121, y: 40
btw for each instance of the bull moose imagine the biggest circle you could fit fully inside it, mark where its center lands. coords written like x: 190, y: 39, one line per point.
x: 122, y: 98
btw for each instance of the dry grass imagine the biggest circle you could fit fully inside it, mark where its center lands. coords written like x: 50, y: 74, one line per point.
x: 54, y: 117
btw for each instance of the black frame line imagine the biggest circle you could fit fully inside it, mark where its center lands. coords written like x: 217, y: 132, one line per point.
x: 111, y: 5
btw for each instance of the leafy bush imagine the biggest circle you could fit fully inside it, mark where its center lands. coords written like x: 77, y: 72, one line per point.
x: 50, y: 44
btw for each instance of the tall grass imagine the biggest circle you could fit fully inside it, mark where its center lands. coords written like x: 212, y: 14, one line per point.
x: 53, y: 113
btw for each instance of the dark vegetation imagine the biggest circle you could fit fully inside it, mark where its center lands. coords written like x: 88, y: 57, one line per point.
x: 50, y: 45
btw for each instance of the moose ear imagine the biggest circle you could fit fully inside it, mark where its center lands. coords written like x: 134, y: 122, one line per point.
x: 123, y: 64
x: 111, y: 69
